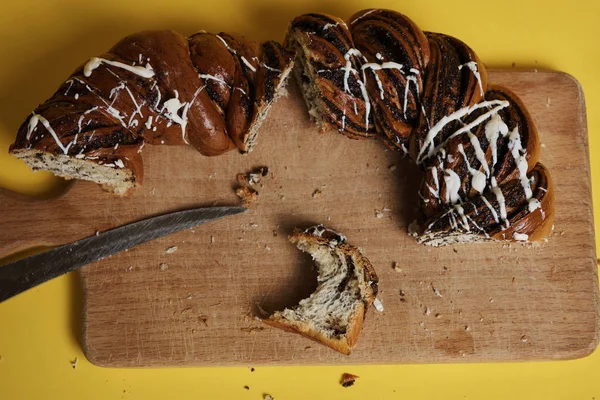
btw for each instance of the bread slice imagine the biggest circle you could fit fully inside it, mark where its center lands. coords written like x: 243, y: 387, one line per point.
x: 347, y: 285
x: 117, y: 175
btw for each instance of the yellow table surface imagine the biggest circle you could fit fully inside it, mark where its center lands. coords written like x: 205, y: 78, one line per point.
x: 41, y: 42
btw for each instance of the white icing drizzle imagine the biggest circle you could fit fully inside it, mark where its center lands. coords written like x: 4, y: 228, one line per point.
x: 463, y: 218
x: 138, y: 108
x: 521, y: 237
x: 500, y: 199
x: 364, y: 15
x: 148, y: 123
x: 95, y: 62
x: 344, y: 120
x: 70, y: 82
x: 172, y: 107
x: 244, y: 60
x: 478, y: 180
x: 435, y: 191
x: 76, y: 96
x: 493, y: 128
x: 452, y: 186
x: 141, y: 147
x: 479, y: 154
x: 355, y: 109
x: 533, y: 204
x: 472, y: 65
x: 379, y: 84
x: 379, y: 56
x: 267, y: 67
x: 519, y: 155
x: 329, y: 25
x: 35, y: 119
x: 429, y: 148
x: 492, y: 209
x: 119, y: 163
x: 409, y: 79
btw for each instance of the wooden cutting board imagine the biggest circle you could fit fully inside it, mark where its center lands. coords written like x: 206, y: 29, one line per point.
x: 496, y: 302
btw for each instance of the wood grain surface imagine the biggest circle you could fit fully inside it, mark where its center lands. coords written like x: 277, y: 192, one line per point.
x: 494, y: 302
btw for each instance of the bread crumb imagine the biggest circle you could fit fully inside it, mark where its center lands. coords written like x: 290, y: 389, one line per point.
x: 378, y: 214
x: 436, y: 291
x: 317, y: 193
x: 491, y: 300
x: 74, y: 363
x: 413, y: 228
x: 377, y: 304
x: 421, y: 323
x: 427, y: 311
x: 248, y: 195
x: 329, y: 218
x: 163, y: 266
x: 171, y: 250
x: 543, y: 145
x: 467, y: 328
x: 548, y: 102
x: 396, y: 267
x: 212, y: 239
x: 347, y: 379
x: 267, y: 248
x: 392, y: 167
x: 97, y: 233
x: 438, y: 315
x: 268, y: 397
x: 524, y: 339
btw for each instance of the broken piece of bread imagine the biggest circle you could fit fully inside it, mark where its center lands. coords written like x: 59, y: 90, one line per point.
x: 347, y: 285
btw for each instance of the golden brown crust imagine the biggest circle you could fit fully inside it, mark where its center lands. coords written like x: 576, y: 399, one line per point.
x: 159, y: 87
x: 428, y: 95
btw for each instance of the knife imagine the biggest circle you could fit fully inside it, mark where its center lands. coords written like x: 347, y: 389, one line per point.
x: 24, y: 274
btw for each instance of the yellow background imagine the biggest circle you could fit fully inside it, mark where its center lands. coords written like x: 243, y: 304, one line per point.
x: 41, y: 42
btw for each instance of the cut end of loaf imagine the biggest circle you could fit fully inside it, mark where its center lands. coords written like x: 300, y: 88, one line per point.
x: 439, y: 239
x: 264, y: 109
x: 113, y: 179
x: 333, y: 314
x: 306, y: 76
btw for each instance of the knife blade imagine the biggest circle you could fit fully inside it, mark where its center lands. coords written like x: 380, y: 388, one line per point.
x: 21, y: 275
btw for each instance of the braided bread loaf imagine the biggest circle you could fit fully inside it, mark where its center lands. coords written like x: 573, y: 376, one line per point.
x: 209, y: 91
x: 427, y: 95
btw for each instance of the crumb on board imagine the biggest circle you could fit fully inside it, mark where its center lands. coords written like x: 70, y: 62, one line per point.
x: 252, y: 369
x: 317, y: 193
x: 268, y: 397
x: 246, y: 183
x: 392, y: 167
x: 377, y: 304
x: 171, y: 250
x: 436, y: 291
x: 212, y: 239
x: 267, y: 248
x: 548, y: 102
x: 74, y: 362
x: 163, y: 266
x: 438, y: 315
x: 427, y: 311
x: 524, y: 339
x: 347, y: 379
x: 203, y: 319
x: 246, y: 387
x: 248, y: 195
x: 413, y: 228
x: 396, y: 267
x: 97, y: 233
x: 467, y: 328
